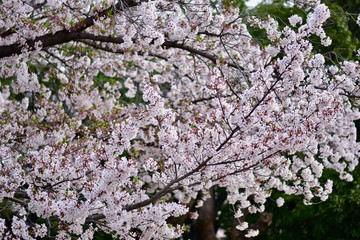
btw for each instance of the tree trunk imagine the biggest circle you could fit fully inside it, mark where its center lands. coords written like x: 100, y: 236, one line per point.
x: 203, y: 228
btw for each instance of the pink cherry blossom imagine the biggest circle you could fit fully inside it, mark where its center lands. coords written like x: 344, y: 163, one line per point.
x: 115, y: 115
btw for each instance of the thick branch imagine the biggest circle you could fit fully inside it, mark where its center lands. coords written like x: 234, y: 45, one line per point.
x: 62, y: 36
x: 7, y: 32
x: 65, y: 36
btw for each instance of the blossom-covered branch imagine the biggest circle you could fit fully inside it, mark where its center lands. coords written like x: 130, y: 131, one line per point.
x: 115, y: 116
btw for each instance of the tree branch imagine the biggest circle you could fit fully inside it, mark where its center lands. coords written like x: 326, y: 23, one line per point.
x: 76, y: 33
x: 62, y: 36
x: 198, y: 52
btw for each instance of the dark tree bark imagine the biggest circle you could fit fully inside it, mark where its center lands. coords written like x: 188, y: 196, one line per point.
x: 204, y: 227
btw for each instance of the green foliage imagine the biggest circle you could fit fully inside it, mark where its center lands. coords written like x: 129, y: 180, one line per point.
x: 277, y: 10
x: 5, y: 209
x: 341, y: 26
x: 334, y: 219
x: 101, y: 79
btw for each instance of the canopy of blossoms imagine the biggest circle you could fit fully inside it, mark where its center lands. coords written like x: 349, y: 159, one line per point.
x: 115, y: 114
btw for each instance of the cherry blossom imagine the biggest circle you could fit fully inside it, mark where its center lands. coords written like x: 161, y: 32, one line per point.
x: 116, y: 114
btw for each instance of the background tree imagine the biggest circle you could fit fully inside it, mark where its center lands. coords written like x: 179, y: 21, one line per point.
x: 333, y: 219
x: 341, y: 27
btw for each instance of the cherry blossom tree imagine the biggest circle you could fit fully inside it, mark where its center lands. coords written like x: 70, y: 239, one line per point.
x: 216, y: 108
